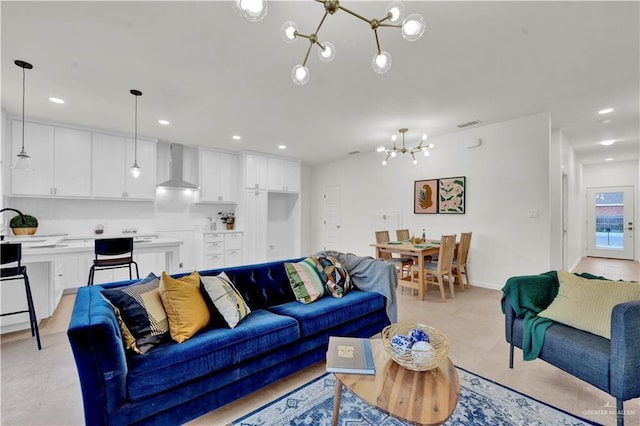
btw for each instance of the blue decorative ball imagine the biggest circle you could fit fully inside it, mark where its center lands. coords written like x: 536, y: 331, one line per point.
x: 418, y: 335
x: 401, y: 345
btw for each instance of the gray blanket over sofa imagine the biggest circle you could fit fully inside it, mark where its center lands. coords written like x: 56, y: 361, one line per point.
x: 369, y: 274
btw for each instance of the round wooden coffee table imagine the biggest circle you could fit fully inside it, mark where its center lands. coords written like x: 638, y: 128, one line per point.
x: 422, y: 397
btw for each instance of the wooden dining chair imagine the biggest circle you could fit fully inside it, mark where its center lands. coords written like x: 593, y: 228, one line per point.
x: 403, y: 264
x: 435, y: 273
x: 460, y: 261
x: 403, y: 235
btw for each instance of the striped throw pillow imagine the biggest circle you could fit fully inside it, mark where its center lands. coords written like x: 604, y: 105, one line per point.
x: 305, y: 280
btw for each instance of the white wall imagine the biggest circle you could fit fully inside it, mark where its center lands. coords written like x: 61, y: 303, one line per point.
x: 622, y: 173
x: 575, y: 205
x: 507, y: 178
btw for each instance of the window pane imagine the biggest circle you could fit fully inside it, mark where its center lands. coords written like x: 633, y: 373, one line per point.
x: 609, y: 220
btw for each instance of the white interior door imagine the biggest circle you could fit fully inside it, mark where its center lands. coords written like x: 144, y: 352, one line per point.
x: 331, y: 222
x: 610, y: 230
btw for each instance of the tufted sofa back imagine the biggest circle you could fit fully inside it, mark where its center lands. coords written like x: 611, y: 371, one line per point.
x: 261, y: 285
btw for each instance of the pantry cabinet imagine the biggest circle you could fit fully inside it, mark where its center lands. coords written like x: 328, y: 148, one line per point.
x: 254, y: 221
x: 270, y: 214
x: 112, y: 159
x: 61, y: 159
x: 256, y: 171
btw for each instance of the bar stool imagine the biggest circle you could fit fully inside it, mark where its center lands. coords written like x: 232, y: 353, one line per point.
x: 11, y: 253
x: 105, y: 251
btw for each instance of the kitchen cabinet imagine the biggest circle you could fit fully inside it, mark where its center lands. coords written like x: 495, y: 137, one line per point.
x: 218, y: 176
x: 254, y: 221
x: 61, y: 159
x: 112, y: 159
x: 218, y: 249
x: 270, y: 215
x: 284, y: 175
x: 256, y: 171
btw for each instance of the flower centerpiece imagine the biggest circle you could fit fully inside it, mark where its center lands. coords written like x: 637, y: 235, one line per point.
x: 227, y: 218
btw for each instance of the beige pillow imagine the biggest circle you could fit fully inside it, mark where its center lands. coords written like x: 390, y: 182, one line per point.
x: 185, y: 306
x: 587, y: 304
x: 226, y: 298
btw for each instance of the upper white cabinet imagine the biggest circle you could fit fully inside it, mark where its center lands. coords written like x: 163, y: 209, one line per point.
x: 284, y: 175
x: 112, y: 159
x: 256, y: 171
x: 72, y: 163
x: 218, y: 176
x: 61, y: 160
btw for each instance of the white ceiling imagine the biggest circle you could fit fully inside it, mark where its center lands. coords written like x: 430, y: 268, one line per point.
x: 213, y: 74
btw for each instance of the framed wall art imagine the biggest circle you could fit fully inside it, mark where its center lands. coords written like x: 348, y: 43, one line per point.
x: 451, y: 195
x: 425, y: 196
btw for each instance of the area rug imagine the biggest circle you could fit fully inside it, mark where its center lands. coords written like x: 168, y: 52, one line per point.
x: 482, y: 402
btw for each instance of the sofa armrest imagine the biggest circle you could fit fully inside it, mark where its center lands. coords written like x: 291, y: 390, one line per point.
x: 509, y: 318
x: 625, y: 350
x: 94, y: 335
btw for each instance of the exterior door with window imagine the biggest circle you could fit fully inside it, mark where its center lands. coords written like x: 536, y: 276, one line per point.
x: 610, y: 227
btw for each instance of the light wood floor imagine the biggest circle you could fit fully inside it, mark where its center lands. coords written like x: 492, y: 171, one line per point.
x: 41, y: 387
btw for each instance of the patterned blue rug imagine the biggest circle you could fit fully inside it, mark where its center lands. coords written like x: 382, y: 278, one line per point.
x: 482, y: 402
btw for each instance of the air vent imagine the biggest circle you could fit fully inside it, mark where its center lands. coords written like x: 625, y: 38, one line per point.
x: 469, y: 124
x: 353, y: 152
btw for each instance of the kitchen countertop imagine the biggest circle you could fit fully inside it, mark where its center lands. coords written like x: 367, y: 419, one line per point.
x: 59, y: 240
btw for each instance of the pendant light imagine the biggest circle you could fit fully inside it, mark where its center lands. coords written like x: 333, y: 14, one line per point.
x: 135, y: 169
x: 23, y: 162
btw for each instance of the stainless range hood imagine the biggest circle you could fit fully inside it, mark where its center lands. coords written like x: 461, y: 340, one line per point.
x: 176, y: 180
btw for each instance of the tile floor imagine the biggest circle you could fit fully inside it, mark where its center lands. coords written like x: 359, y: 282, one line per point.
x: 41, y: 387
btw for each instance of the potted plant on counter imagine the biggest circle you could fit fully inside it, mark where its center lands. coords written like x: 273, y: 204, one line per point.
x: 29, y: 226
x: 227, y: 218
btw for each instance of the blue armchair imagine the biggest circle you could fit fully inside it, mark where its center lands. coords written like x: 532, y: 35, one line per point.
x: 610, y: 365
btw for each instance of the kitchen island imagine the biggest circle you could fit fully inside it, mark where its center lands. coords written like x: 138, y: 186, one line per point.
x: 56, y: 263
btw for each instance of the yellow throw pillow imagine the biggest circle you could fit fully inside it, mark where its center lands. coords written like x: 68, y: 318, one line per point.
x: 587, y: 304
x: 185, y: 306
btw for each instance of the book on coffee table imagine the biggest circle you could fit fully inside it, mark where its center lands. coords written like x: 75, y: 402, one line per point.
x: 350, y: 355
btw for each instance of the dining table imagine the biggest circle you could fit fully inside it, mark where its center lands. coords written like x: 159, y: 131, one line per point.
x: 416, y: 250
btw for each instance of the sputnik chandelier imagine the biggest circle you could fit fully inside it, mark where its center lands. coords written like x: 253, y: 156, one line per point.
x: 393, y: 151
x: 412, y: 28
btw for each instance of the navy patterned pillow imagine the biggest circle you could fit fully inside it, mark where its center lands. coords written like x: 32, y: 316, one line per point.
x: 333, y: 274
x: 141, y: 315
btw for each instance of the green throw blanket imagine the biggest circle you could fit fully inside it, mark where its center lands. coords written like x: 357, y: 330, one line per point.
x: 530, y: 295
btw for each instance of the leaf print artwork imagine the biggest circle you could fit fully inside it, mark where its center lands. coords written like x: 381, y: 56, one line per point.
x: 425, y: 198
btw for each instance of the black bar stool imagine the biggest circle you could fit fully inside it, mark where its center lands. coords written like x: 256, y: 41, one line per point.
x: 11, y: 253
x: 106, y: 249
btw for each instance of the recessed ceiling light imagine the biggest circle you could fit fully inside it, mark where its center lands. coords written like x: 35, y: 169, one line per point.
x: 282, y: 147
x: 608, y: 159
x: 607, y: 143
x: 164, y: 122
x: 605, y: 111
x: 56, y: 100
x: 236, y: 137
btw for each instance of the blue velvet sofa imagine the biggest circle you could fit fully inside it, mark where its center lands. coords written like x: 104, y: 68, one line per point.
x: 610, y: 365
x: 174, y: 383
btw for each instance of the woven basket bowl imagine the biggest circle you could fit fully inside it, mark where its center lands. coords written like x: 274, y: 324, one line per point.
x: 437, y: 340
